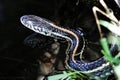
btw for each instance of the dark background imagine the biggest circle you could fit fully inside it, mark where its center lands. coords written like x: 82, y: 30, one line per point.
x: 17, y: 62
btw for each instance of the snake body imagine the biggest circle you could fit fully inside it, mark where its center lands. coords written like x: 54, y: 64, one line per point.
x: 74, y: 38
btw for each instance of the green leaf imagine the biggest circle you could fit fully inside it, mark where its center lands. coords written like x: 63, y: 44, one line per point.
x: 117, y: 71
x: 110, y: 26
x: 66, y: 75
x: 105, y: 47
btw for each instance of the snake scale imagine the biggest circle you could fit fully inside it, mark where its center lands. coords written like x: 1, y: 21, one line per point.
x: 74, y: 38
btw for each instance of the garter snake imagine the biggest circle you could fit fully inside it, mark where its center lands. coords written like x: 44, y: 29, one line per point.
x: 74, y: 38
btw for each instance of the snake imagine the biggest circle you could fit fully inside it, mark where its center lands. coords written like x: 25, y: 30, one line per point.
x: 75, y: 38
